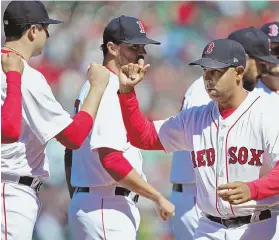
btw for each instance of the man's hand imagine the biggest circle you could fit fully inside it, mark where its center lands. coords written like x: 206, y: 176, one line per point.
x: 130, y: 75
x: 12, y: 62
x: 238, y: 192
x: 164, y: 208
x: 97, y: 75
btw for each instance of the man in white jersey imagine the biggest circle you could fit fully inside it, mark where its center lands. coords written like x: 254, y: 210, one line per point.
x: 257, y: 44
x: 185, y: 220
x: 233, y: 138
x: 107, y: 170
x: 24, y: 163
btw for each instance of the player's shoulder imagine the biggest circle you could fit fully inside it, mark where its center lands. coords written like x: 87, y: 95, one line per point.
x: 267, y: 105
x: 32, y: 78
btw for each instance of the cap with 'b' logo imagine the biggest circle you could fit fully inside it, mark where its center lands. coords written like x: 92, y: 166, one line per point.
x: 222, y: 53
x: 272, y: 31
x: 127, y: 30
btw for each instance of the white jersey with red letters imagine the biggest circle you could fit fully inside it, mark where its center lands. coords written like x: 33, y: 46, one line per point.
x: 42, y: 119
x: 242, y: 147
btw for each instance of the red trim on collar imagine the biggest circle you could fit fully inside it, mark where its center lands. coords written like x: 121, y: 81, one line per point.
x: 110, y: 70
x: 7, y: 51
x: 227, y: 112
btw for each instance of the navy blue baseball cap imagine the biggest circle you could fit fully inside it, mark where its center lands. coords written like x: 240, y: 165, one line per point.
x: 26, y: 12
x: 272, y: 31
x: 127, y: 30
x: 222, y: 53
x: 255, y: 42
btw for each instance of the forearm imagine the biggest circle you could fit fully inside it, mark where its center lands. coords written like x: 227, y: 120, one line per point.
x: 266, y: 186
x: 92, y: 101
x: 140, y: 131
x: 11, y: 111
x: 135, y: 183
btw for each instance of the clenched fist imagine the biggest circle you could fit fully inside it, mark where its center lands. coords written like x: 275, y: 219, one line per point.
x: 12, y: 62
x: 164, y: 208
x: 130, y: 75
x: 97, y: 75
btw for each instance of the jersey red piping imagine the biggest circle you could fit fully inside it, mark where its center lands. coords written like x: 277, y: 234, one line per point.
x: 216, y: 193
x: 5, y: 213
x: 226, y: 146
x: 103, y: 222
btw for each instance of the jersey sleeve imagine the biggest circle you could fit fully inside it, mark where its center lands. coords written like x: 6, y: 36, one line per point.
x: 109, y: 130
x: 42, y: 112
x: 174, y: 133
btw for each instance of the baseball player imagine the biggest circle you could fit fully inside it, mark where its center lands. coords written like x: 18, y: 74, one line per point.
x: 268, y: 85
x: 182, y: 175
x: 25, y: 162
x: 12, y: 66
x: 233, y: 138
x: 107, y: 171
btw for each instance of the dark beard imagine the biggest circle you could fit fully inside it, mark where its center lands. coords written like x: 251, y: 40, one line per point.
x: 249, y: 84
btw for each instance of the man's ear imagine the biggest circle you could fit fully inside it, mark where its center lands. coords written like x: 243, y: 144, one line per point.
x: 239, y: 72
x: 112, y: 48
x: 31, y: 33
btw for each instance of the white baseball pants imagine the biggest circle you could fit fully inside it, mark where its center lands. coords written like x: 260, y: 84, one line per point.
x: 20, y: 208
x: 187, y: 213
x: 263, y: 230
x: 101, y: 215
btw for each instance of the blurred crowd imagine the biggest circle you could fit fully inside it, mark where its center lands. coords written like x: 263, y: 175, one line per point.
x: 183, y: 28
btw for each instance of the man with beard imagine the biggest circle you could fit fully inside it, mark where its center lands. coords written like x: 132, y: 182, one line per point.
x: 259, y: 59
x: 107, y: 170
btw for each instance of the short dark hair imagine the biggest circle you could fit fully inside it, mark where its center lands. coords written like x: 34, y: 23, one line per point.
x: 104, y: 49
x: 15, y: 32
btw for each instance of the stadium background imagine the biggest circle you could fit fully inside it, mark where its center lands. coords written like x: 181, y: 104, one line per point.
x: 183, y: 28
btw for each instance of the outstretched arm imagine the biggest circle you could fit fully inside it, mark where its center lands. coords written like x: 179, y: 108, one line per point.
x: 141, y: 132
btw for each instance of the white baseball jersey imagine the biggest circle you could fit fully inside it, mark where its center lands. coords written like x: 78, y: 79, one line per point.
x: 242, y: 147
x: 262, y: 89
x: 108, y: 131
x: 42, y: 119
x: 182, y: 168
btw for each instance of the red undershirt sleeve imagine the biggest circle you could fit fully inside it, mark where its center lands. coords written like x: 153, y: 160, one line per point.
x: 116, y: 165
x: 74, y: 135
x: 266, y: 186
x: 11, y: 111
x: 141, y: 132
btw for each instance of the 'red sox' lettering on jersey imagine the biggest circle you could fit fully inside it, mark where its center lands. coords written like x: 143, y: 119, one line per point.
x: 203, y: 158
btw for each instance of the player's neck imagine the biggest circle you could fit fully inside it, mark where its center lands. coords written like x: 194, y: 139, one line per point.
x: 19, y: 48
x: 111, y: 65
x: 234, y: 101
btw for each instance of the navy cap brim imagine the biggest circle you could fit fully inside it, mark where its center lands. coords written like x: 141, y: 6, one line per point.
x: 210, y: 63
x: 52, y: 21
x: 141, y: 41
x: 268, y: 59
